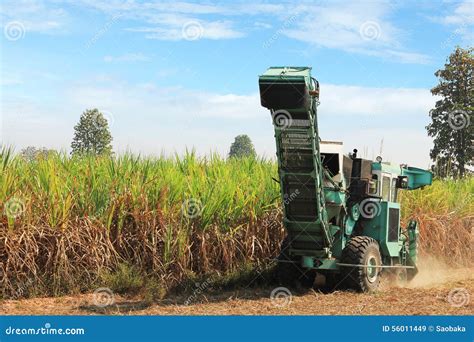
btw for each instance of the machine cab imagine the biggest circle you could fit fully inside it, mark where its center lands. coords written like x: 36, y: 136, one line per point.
x: 385, y: 178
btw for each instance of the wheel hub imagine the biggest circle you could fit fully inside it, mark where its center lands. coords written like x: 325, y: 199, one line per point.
x: 371, y: 269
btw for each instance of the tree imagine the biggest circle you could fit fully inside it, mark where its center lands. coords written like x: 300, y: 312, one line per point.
x: 31, y: 153
x: 92, y: 135
x: 452, y: 125
x: 242, y: 147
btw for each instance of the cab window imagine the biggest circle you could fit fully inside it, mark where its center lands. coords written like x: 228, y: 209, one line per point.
x: 385, y: 188
x: 374, y: 185
x: 394, y: 190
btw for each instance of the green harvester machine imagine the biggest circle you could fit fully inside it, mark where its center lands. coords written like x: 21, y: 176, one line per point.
x: 340, y: 212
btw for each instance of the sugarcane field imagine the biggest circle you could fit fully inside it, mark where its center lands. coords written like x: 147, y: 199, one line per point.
x: 264, y: 162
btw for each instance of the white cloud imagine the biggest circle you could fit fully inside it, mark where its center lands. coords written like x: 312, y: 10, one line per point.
x: 190, y: 29
x: 361, y: 101
x: 356, y: 27
x: 461, y: 19
x: 10, y: 80
x: 462, y: 14
x: 262, y: 25
x: 171, y: 20
x: 150, y: 119
x: 34, y: 15
x: 128, y: 57
x: 161, y: 102
x: 151, y: 9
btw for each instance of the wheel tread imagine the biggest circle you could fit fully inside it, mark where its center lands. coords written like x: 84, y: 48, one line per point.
x: 354, y: 253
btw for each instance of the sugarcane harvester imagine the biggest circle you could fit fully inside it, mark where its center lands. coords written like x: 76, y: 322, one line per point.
x: 340, y: 212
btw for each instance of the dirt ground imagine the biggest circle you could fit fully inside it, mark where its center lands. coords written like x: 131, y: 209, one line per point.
x: 431, y: 293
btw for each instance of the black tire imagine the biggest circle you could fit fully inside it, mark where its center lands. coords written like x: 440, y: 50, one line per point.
x: 362, y: 250
x: 289, y: 271
x: 333, y: 282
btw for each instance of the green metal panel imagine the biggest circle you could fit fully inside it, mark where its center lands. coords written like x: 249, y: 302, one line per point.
x: 417, y: 177
x: 288, y: 72
x: 413, y: 234
x: 378, y: 228
x: 319, y: 263
x: 285, y: 91
x: 385, y: 167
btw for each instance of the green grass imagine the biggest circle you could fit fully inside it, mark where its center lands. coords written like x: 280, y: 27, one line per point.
x: 58, y: 189
x: 453, y: 197
x: 73, y: 223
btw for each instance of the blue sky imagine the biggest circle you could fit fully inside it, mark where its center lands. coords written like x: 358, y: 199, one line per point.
x: 171, y: 75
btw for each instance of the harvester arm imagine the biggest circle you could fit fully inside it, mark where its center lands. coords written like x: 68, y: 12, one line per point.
x: 292, y: 94
x: 416, y: 178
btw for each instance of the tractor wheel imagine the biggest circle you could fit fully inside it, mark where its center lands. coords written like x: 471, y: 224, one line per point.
x: 333, y: 282
x: 364, y: 251
x: 289, y: 271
